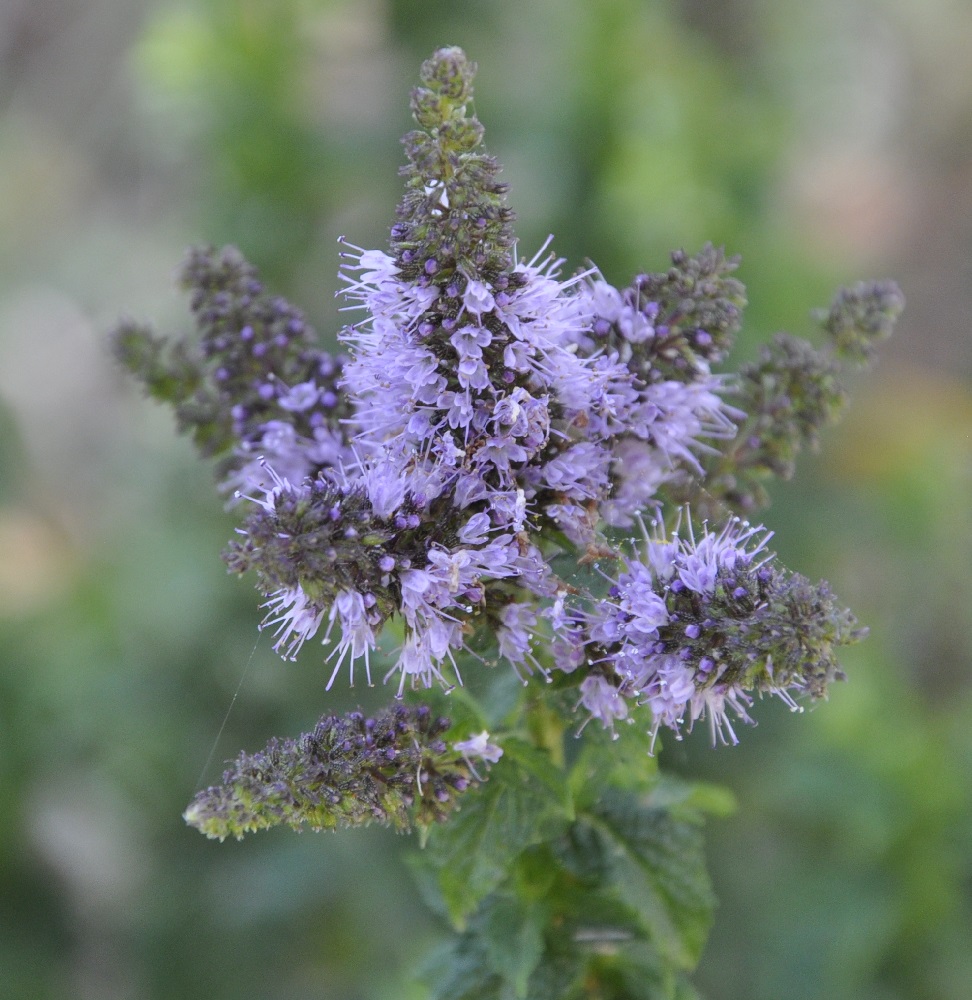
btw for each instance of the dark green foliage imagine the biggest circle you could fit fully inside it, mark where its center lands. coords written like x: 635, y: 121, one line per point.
x: 655, y: 866
x: 618, y: 905
x: 525, y: 802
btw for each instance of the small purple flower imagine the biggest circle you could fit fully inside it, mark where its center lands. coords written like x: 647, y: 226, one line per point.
x: 469, y: 341
x: 699, y: 562
x: 472, y: 374
x: 580, y: 472
x: 668, y: 691
x: 300, y: 398
x: 423, y: 651
x: 603, y: 700
x: 297, y: 620
x: 357, y: 633
x: 475, y: 530
x: 386, y: 488
x: 518, y: 622
x: 479, y: 746
x: 477, y: 298
x: 714, y: 703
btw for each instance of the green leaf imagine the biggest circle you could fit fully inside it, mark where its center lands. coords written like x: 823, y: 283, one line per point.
x: 540, y: 773
x: 485, y: 701
x: 657, y: 868
x: 463, y: 970
x: 513, y: 936
x: 689, y: 798
x: 581, y: 852
x: 637, y: 974
x: 558, y: 977
x: 622, y: 760
x: 524, y: 802
x: 460, y: 970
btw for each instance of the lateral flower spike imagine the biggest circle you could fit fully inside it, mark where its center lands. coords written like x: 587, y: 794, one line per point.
x: 696, y: 622
x: 394, y: 769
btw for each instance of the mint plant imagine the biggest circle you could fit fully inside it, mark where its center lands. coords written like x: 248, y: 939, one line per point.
x: 518, y: 499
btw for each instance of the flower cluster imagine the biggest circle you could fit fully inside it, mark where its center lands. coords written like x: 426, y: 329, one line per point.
x: 794, y: 390
x: 692, y: 624
x: 393, y: 769
x: 254, y: 388
x: 491, y: 415
x: 493, y: 405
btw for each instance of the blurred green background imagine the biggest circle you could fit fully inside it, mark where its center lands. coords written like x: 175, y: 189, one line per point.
x: 825, y: 142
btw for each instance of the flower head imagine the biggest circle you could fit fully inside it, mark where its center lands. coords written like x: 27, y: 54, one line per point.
x: 697, y: 620
x: 480, y: 747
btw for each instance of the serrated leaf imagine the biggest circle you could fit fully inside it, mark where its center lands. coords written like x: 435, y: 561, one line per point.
x: 622, y: 761
x: 525, y: 801
x: 580, y: 852
x: 657, y: 868
x: 556, y: 977
x: 513, y: 936
x: 689, y: 798
x: 538, y: 770
x: 427, y: 883
x: 638, y: 974
x: 460, y: 970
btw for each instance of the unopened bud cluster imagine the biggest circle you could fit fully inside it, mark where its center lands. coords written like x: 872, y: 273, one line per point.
x: 795, y: 390
x: 394, y: 769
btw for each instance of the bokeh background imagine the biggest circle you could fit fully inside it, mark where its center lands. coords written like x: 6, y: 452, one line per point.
x: 825, y: 142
